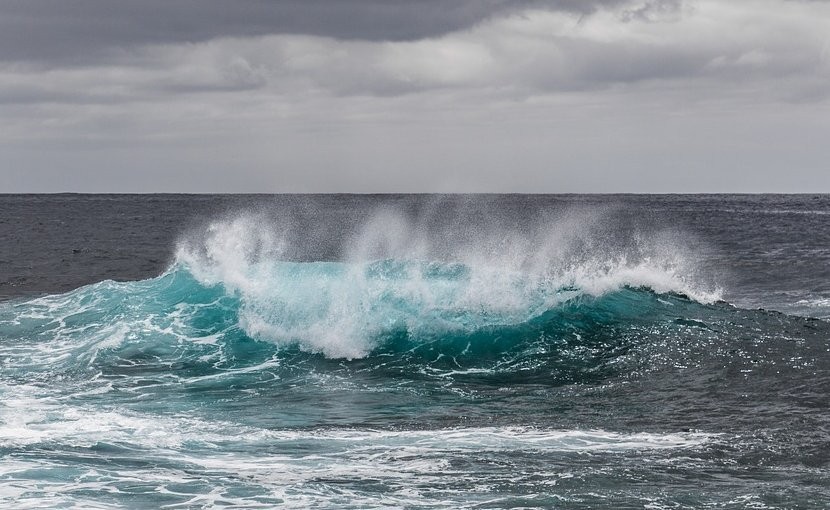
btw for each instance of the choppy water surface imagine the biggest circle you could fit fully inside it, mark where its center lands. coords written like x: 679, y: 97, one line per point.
x: 447, y: 352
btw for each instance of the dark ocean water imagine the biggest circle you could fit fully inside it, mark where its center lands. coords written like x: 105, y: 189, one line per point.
x: 415, y: 351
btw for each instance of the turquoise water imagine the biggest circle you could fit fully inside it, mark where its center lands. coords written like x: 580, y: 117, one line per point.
x: 170, y: 391
x: 480, y: 378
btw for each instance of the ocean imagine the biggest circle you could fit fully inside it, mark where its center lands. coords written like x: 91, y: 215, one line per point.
x: 415, y: 351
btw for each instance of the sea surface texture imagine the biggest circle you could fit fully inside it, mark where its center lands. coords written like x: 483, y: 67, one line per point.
x: 415, y: 351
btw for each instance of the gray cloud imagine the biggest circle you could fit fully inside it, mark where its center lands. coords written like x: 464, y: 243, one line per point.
x: 81, y: 31
x: 653, y: 10
x: 522, y: 54
x: 433, y: 95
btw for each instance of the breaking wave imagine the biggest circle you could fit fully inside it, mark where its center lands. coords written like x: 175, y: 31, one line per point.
x: 392, y: 280
x: 391, y: 287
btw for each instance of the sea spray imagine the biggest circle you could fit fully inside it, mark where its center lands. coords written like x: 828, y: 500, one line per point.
x: 397, y: 275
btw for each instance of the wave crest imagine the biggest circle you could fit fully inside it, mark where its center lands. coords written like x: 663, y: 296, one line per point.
x: 399, y: 277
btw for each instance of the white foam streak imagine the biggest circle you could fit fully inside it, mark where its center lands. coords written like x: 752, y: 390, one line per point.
x: 290, y: 467
x: 32, y: 415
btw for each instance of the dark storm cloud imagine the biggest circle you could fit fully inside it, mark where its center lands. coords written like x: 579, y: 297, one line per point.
x: 113, y: 52
x: 84, y: 30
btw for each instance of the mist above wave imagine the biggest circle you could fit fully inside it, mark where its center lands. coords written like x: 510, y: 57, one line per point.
x: 444, y: 270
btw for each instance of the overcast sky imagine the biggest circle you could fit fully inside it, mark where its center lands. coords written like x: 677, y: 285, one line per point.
x: 415, y: 96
